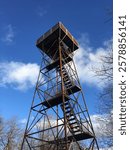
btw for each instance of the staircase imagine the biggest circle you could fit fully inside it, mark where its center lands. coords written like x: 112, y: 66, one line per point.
x: 73, y: 123
x: 67, y: 81
x: 72, y: 120
x: 75, y: 127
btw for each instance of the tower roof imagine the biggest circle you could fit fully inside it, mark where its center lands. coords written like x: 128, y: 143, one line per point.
x: 52, y: 35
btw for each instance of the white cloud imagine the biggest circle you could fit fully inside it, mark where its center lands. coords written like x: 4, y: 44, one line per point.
x: 19, y: 75
x: 103, y: 128
x: 41, y: 12
x: 9, y: 34
x: 102, y: 125
x: 23, y: 76
x: 86, y: 58
x: 23, y: 121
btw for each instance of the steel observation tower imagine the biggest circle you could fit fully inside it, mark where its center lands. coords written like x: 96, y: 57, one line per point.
x: 58, y: 117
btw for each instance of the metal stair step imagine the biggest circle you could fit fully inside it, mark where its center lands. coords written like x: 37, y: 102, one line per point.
x: 64, y: 71
x: 66, y: 104
x: 65, y: 76
x: 74, y: 131
x: 67, y: 107
x: 67, y: 81
x: 71, y: 119
x: 69, y: 111
x: 72, y: 123
x: 70, y: 115
x: 74, y: 127
x: 68, y: 85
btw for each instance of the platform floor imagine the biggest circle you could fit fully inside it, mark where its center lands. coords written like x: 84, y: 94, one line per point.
x: 78, y: 137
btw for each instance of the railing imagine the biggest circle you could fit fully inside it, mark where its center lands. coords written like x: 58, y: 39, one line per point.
x: 52, y: 91
x: 56, y: 89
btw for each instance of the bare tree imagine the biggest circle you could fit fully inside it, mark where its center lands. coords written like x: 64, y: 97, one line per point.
x: 10, y: 134
x: 2, y: 144
x: 105, y: 74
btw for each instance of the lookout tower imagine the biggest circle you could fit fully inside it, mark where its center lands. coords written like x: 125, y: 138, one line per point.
x: 58, y: 118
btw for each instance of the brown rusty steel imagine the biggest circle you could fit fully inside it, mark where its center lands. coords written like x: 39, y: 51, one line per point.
x: 58, y: 117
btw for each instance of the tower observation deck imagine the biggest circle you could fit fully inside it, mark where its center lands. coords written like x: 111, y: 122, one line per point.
x: 58, y: 118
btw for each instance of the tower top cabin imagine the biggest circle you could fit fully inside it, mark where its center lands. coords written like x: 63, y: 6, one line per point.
x: 49, y: 41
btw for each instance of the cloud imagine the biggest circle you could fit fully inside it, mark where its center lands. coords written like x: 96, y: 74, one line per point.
x: 9, y: 34
x: 41, y: 12
x: 23, y: 76
x: 23, y: 121
x: 87, y: 57
x: 19, y: 75
x: 102, y: 125
x: 103, y: 128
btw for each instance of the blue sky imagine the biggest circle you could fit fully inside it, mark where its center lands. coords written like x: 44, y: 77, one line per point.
x: 22, y: 22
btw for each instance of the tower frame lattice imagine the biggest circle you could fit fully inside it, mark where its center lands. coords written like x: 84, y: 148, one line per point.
x: 58, y: 117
